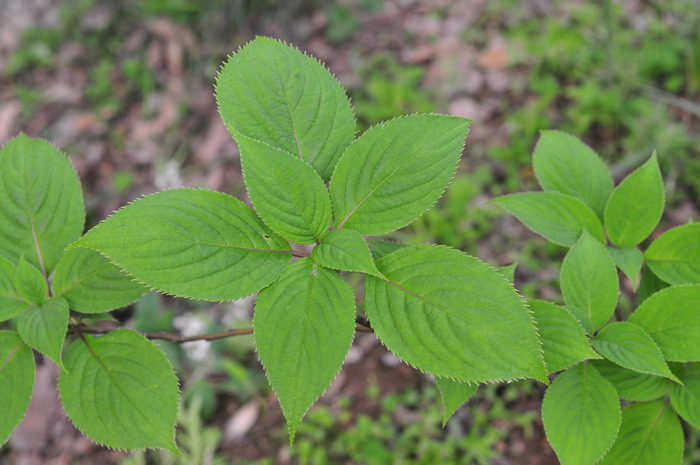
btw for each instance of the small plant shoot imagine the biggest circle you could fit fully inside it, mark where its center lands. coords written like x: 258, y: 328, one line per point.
x: 322, y: 199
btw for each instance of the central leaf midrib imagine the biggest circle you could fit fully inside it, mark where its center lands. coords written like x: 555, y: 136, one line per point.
x: 291, y: 114
x: 188, y: 241
x: 381, y: 183
x: 647, y: 436
x: 301, y: 212
x: 30, y: 216
x: 310, y: 288
x: 429, y: 302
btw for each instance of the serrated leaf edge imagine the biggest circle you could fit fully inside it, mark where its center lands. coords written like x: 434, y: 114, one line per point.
x: 619, y: 423
x: 544, y: 379
x: 292, y: 426
x: 671, y: 377
x: 60, y: 397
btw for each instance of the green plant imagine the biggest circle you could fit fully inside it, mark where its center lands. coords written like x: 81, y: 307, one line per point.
x: 438, y: 309
x: 643, y: 358
x: 407, y: 430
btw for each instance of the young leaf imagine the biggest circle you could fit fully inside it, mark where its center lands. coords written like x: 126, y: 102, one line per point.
x: 631, y: 385
x: 563, y: 339
x: 559, y: 218
x: 564, y: 164
x: 304, y: 324
x: 43, y: 327
x: 11, y: 304
x: 120, y: 390
x: 685, y: 399
x: 287, y: 193
x: 395, y: 171
x: 672, y: 318
x: 581, y: 415
x: 16, y: 382
x: 91, y: 284
x: 454, y: 394
x: 191, y: 243
x: 675, y: 255
x: 589, y: 283
x: 631, y: 347
x: 450, y: 314
x: 650, y: 434
x: 273, y: 93
x: 635, y: 206
x: 42, y: 208
x: 629, y: 260
x: 381, y: 248
x: 30, y: 283
x: 346, y: 250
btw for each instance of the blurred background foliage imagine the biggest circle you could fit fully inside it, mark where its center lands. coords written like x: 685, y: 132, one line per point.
x: 126, y: 88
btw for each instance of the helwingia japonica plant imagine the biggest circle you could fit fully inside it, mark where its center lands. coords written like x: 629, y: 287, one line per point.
x: 322, y: 198
x: 625, y: 381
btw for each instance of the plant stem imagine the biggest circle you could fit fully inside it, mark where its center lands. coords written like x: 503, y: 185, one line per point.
x: 178, y: 339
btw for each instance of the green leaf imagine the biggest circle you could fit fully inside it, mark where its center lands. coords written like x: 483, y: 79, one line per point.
x: 454, y: 394
x: 30, y: 283
x: 649, y: 284
x: 191, y: 243
x: 304, y: 324
x: 11, y: 304
x: 559, y: 218
x: 451, y: 315
x: 42, y: 208
x: 581, y: 415
x: 120, y: 391
x: 563, y: 339
x: 345, y: 250
x: 381, y: 248
x: 508, y: 271
x: 631, y: 347
x: 629, y: 260
x: 273, y: 93
x: 16, y: 382
x: 650, y: 434
x: 685, y: 399
x: 287, y: 193
x: 635, y: 206
x: 43, y: 327
x: 395, y: 171
x: 672, y: 318
x: 631, y: 385
x: 589, y: 283
x: 564, y: 164
x: 675, y: 255
x: 91, y: 284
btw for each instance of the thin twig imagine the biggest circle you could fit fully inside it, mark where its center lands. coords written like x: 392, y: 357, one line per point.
x: 177, y: 339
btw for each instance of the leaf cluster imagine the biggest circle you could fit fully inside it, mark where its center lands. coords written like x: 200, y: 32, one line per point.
x: 649, y: 359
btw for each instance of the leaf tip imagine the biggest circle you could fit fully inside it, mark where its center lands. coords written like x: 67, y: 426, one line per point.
x: 292, y: 430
